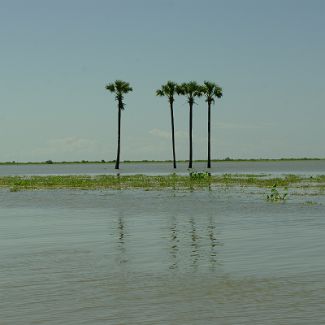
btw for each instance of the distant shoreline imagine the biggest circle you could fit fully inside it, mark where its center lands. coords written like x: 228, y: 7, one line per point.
x: 49, y: 162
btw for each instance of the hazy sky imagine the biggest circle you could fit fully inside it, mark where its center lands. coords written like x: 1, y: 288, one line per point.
x: 57, y: 56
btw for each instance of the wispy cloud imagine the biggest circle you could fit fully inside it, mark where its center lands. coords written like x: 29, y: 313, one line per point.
x: 71, y: 143
x: 222, y: 125
x: 68, y: 145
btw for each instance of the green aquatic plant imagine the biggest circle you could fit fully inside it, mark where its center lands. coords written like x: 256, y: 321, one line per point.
x: 193, y: 180
x: 199, y: 175
x: 310, y: 203
x: 275, y: 195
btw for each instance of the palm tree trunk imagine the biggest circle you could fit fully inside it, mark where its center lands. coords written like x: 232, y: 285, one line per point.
x: 190, y: 136
x: 117, y: 164
x: 209, y: 135
x: 173, y: 133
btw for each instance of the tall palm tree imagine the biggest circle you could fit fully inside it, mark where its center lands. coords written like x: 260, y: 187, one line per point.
x: 190, y: 90
x: 169, y: 90
x: 210, y: 90
x: 119, y: 88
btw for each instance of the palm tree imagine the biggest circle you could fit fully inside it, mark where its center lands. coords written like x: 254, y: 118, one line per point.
x: 169, y: 90
x: 210, y: 90
x: 190, y: 90
x: 119, y: 88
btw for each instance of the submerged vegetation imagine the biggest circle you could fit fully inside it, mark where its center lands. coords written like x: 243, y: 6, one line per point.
x: 192, y: 181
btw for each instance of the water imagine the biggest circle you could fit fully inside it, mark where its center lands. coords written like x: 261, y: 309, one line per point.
x: 161, y: 257
x: 306, y: 167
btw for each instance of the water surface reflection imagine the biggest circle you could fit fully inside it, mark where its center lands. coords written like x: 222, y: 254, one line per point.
x: 187, y: 243
x: 160, y: 257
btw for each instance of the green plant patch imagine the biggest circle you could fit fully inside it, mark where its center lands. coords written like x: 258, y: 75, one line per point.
x: 275, y: 195
x: 191, y: 181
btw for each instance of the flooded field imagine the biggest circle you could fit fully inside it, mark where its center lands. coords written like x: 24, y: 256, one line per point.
x: 225, y: 256
x: 305, y: 167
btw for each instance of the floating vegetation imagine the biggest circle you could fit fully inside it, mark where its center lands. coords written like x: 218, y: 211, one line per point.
x: 311, y: 203
x: 199, y: 175
x: 275, y: 195
x: 194, y: 180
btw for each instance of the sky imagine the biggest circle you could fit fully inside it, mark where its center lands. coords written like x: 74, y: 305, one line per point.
x: 57, y: 56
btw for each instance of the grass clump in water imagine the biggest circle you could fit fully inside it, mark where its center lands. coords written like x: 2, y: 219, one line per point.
x: 199, y: 175
x: 275, y: 195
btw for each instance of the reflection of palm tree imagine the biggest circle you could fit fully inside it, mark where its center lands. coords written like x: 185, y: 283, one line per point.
x: 213, y: 242
x: 194, y: 244
x: 174, y: 243
x: 121, y: 240
x: 121, y: 230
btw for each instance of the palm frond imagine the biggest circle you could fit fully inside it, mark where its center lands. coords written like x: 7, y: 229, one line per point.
x: 190, y: 90
x: 122, y: 86
x: 169, y: 89
x: 160, y: 92
x: 218, y: 92
x: 181, y: 89
x: 110, y: 87
x: 119, y: 87
x: 211, y: 90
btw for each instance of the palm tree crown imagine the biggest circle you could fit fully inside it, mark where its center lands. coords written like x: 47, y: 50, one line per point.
x: 190, y: 90
x: 119, y: 87
x: 211, y: 90
x: 168, y: 90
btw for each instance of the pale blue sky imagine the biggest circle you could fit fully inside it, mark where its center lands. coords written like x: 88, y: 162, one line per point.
x: 57, y: 56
